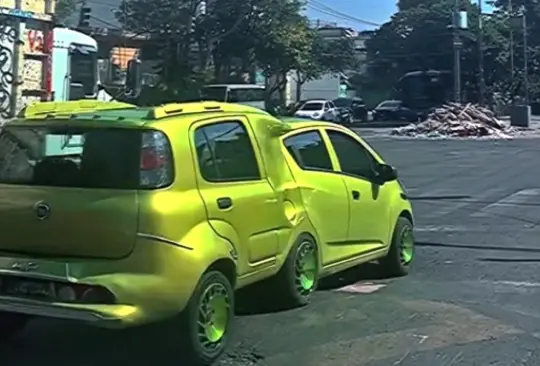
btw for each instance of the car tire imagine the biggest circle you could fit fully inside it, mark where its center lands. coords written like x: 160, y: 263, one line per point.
x: 299, y: 275
x: 11, y: 325
x: 401, y: 252
x: 207, y: 320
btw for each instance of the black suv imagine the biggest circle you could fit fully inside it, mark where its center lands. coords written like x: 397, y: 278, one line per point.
x: 355, y: 105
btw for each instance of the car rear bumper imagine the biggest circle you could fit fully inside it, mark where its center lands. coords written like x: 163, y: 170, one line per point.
x: 107, y: 316
x: 147, y: 286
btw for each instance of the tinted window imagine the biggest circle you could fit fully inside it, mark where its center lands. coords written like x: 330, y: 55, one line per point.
x: 84, y: 69
x: 215, y: 93
x: 353, y: 157
x: 389, y: 105
x: 312, y: 106
x: 342, y: 102
x: 246, y: 95
x: 70, y: 157
x: 309, y: 151
x: 225, y: 153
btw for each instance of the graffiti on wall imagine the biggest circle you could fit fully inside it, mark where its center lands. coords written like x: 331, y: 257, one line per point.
x: 8, y: 37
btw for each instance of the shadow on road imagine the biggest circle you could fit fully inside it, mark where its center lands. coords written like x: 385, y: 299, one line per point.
x: 479, y: 247
x: 366, y: 272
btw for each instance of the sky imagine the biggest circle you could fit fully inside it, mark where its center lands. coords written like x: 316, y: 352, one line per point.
x: 353, y: 11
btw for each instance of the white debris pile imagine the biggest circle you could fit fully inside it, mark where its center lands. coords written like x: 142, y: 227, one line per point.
x: 458, y: 120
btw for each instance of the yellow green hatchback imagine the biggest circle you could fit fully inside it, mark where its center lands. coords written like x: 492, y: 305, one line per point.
x: 120, y: 216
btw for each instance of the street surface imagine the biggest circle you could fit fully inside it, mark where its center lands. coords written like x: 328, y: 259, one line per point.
x: 472, y: 298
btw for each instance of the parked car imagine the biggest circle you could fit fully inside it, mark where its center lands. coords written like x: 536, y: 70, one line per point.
x: 318, y: 109
x: 201, y: 199
x: 356, y: 106
x: 394, y: 110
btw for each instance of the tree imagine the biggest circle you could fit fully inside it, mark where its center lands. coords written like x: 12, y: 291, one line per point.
x: 65, y: 8
x: 419, y: 38
x: 325, y: 57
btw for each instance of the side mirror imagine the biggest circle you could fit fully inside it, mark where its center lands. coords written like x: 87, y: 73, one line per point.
x: 133, y: 77
x: 386, y: 173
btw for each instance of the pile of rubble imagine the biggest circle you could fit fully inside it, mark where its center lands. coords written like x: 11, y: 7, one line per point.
x: 458, y: 120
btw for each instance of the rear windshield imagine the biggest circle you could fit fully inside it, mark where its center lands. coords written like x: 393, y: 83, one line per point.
x: 70, y: 157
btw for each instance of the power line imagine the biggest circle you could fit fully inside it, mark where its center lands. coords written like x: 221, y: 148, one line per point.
x: 317, y: 6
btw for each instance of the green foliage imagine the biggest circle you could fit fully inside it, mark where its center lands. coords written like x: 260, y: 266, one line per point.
x: 419, y: 37
x: 65, y: 8
x: 231, y: 37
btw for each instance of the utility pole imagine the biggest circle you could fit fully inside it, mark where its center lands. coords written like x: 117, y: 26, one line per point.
x: 512, y: 68
x: 457, y: 44
x: 480, y: 39
x: 525, y: 58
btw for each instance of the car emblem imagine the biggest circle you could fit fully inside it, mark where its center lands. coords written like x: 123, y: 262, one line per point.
x: 43, y: 210
x: 25, y: 266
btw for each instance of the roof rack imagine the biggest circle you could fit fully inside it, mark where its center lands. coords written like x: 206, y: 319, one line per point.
x: 175, y: 109
x: 54, y: 109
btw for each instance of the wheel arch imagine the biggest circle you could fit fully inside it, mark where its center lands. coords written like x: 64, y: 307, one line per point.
x: 408, y: 215
x: 226, y: 266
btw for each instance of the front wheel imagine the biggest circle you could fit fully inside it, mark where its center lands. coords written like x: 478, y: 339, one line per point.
x: 401, y: 252
x: 299, y: 275
x: 11, y: 324
x: 208, y: 319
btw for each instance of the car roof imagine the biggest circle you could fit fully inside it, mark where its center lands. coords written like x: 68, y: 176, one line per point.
x: 237, y: 86
x: 126, y: 114
x: 295, y: 123
x: 317, y: 101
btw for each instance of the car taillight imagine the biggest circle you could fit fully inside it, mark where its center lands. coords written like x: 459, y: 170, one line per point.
x: 156, y: 166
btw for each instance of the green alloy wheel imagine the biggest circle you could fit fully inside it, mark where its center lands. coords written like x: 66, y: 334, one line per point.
x: 306, y: 268
x: 401, y: 252
x: 299, y: 275
x: 407, y: 245
x: 213, y: 316
x: 208, y: 319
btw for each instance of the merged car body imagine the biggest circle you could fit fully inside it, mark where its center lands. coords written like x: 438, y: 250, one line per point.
x: 118, y: 216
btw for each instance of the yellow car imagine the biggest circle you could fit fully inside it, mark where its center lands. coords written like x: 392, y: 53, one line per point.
x: 119, y: 216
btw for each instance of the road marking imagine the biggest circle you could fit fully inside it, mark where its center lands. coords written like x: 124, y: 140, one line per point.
x: 513, y: 205
x: 361, y: 288
x: 452, y: 325
x: 445, y: 207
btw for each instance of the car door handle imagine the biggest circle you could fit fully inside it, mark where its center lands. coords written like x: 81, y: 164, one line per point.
x: 224, y: 203
x: 272, y: 200
x: 355, y: 195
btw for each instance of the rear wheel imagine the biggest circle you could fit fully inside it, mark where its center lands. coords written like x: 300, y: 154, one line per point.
x: 208, y: 319
x: 11, y: 324
x: 300, y: 273
x: 401, y: 252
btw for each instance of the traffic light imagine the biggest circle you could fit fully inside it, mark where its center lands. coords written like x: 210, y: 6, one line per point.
x: 84, y: 19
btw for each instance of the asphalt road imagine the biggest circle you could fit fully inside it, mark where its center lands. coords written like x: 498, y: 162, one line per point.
x: 471, y: 299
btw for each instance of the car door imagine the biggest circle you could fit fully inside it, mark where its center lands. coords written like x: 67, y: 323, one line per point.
x: 326, y: 112
x: 369, y: 201
x: 241, y: 204
x: 333, y: 110
x: 323, y: 192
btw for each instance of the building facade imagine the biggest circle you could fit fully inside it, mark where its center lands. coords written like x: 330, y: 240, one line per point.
x: 25, y: 53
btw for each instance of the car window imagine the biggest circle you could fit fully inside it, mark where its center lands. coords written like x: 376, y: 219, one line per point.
x: 331, y: 105
x: 389, y: 105
x: 342, y: 102
x: 309, y: 151
x: 326, y: 106
x: 225, y: 153
x: 353, y: 157
x: 312, y: 106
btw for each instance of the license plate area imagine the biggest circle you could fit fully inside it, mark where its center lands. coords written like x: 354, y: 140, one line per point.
x: 28, y: 288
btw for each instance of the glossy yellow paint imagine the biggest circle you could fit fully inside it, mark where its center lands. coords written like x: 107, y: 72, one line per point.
x: 151, y: 247
x: 42, y: 109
